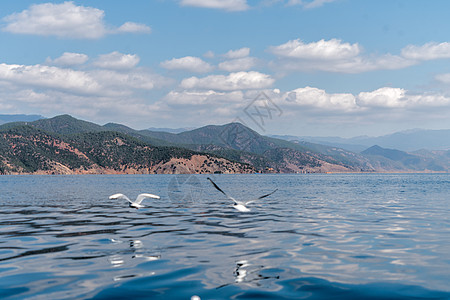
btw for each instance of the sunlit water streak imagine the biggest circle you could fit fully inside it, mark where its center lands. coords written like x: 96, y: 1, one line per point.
x: 374, y: 236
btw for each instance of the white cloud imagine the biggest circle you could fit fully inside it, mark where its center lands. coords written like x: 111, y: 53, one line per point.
x: 116, y: 75
x: 228, y: 5
x: 428, y: 51
x: 116, y: 60
x: 383, y: 97
x: 337, y: 56
x: 233, y: 81
x: 90, y: 82
x: 388, y: 97
x: 355, y: 65
x: 126, y: 82
x: 237, y: 60
x: 209, y: 54
x: 322, y: 50
x: 131, y: 27
x: 62, y: 20
x: 317, y: 3
x: 187, y: 63
x: 239, y: 53
x: 309, y: 4
x: 333, y: 56
x: 49, y: 77
x: 69, y: 59
x: 443, y: 78
x: 209, y: 97
x: 238, y: 64
x: 65, y: 20
x: 314, y: 97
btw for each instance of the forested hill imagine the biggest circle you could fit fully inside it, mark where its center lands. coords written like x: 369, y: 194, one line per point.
x: 66, y: 145
x: 28, y: 150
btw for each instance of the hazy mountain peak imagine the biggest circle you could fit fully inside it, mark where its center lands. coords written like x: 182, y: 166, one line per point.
x: 171, y: 130
x: 8, y: 118
x: 392, y: 154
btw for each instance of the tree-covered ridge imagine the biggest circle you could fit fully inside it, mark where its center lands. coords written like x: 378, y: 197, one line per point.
x: 25, y: 149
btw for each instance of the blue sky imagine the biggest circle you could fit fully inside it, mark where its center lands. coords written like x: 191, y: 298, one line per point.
x: 298, y: 67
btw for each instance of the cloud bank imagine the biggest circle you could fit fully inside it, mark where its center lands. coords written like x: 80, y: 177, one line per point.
x: 386, y: 98
x: 109, y: 85
x: 337, y: 56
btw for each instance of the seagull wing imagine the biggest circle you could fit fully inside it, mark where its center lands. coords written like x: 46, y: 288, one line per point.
x: 141, y: 197
x: 120, y: 196
x: 263, y: 196
x: 220, y: 190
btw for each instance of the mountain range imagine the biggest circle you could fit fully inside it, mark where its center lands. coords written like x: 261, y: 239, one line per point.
x: 408, y: 140
x: 66, y: 145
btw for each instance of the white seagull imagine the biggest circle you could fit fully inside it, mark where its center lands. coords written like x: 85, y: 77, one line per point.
x: 239, y: 205
x: 137, y: 203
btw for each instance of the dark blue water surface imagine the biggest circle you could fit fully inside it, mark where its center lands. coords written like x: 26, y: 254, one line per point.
x: 349, y: 236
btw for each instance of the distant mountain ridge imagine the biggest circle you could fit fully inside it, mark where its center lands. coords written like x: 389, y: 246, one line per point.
x: 171, y: 130
x: 228, y: 148
x: 408, y: 140
x: 392, y: 154
x: 392, y: 159
x: 19, y: 118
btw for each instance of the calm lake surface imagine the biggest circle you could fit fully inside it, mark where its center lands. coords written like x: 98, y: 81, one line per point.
x: 349, y: 236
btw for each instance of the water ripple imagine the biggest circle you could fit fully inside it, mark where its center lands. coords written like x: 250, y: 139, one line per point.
x: 319, y: 237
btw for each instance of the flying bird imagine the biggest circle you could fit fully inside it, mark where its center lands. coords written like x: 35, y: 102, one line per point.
x: 137, y: 203
x: 239, y: 205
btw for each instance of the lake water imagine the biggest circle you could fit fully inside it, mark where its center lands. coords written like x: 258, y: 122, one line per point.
x: 349, y: 236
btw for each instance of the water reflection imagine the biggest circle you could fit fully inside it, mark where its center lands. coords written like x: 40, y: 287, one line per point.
x: 116, y: 260
x: 241, y: 270
x: 140, y: 252
x: 136, y: 250
x: 248, y: 274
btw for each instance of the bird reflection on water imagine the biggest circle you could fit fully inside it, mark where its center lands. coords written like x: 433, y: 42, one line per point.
x: 246, y: 273
x: 136, y: 250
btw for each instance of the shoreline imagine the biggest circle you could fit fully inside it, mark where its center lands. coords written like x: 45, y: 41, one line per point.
x: 316, y: 173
